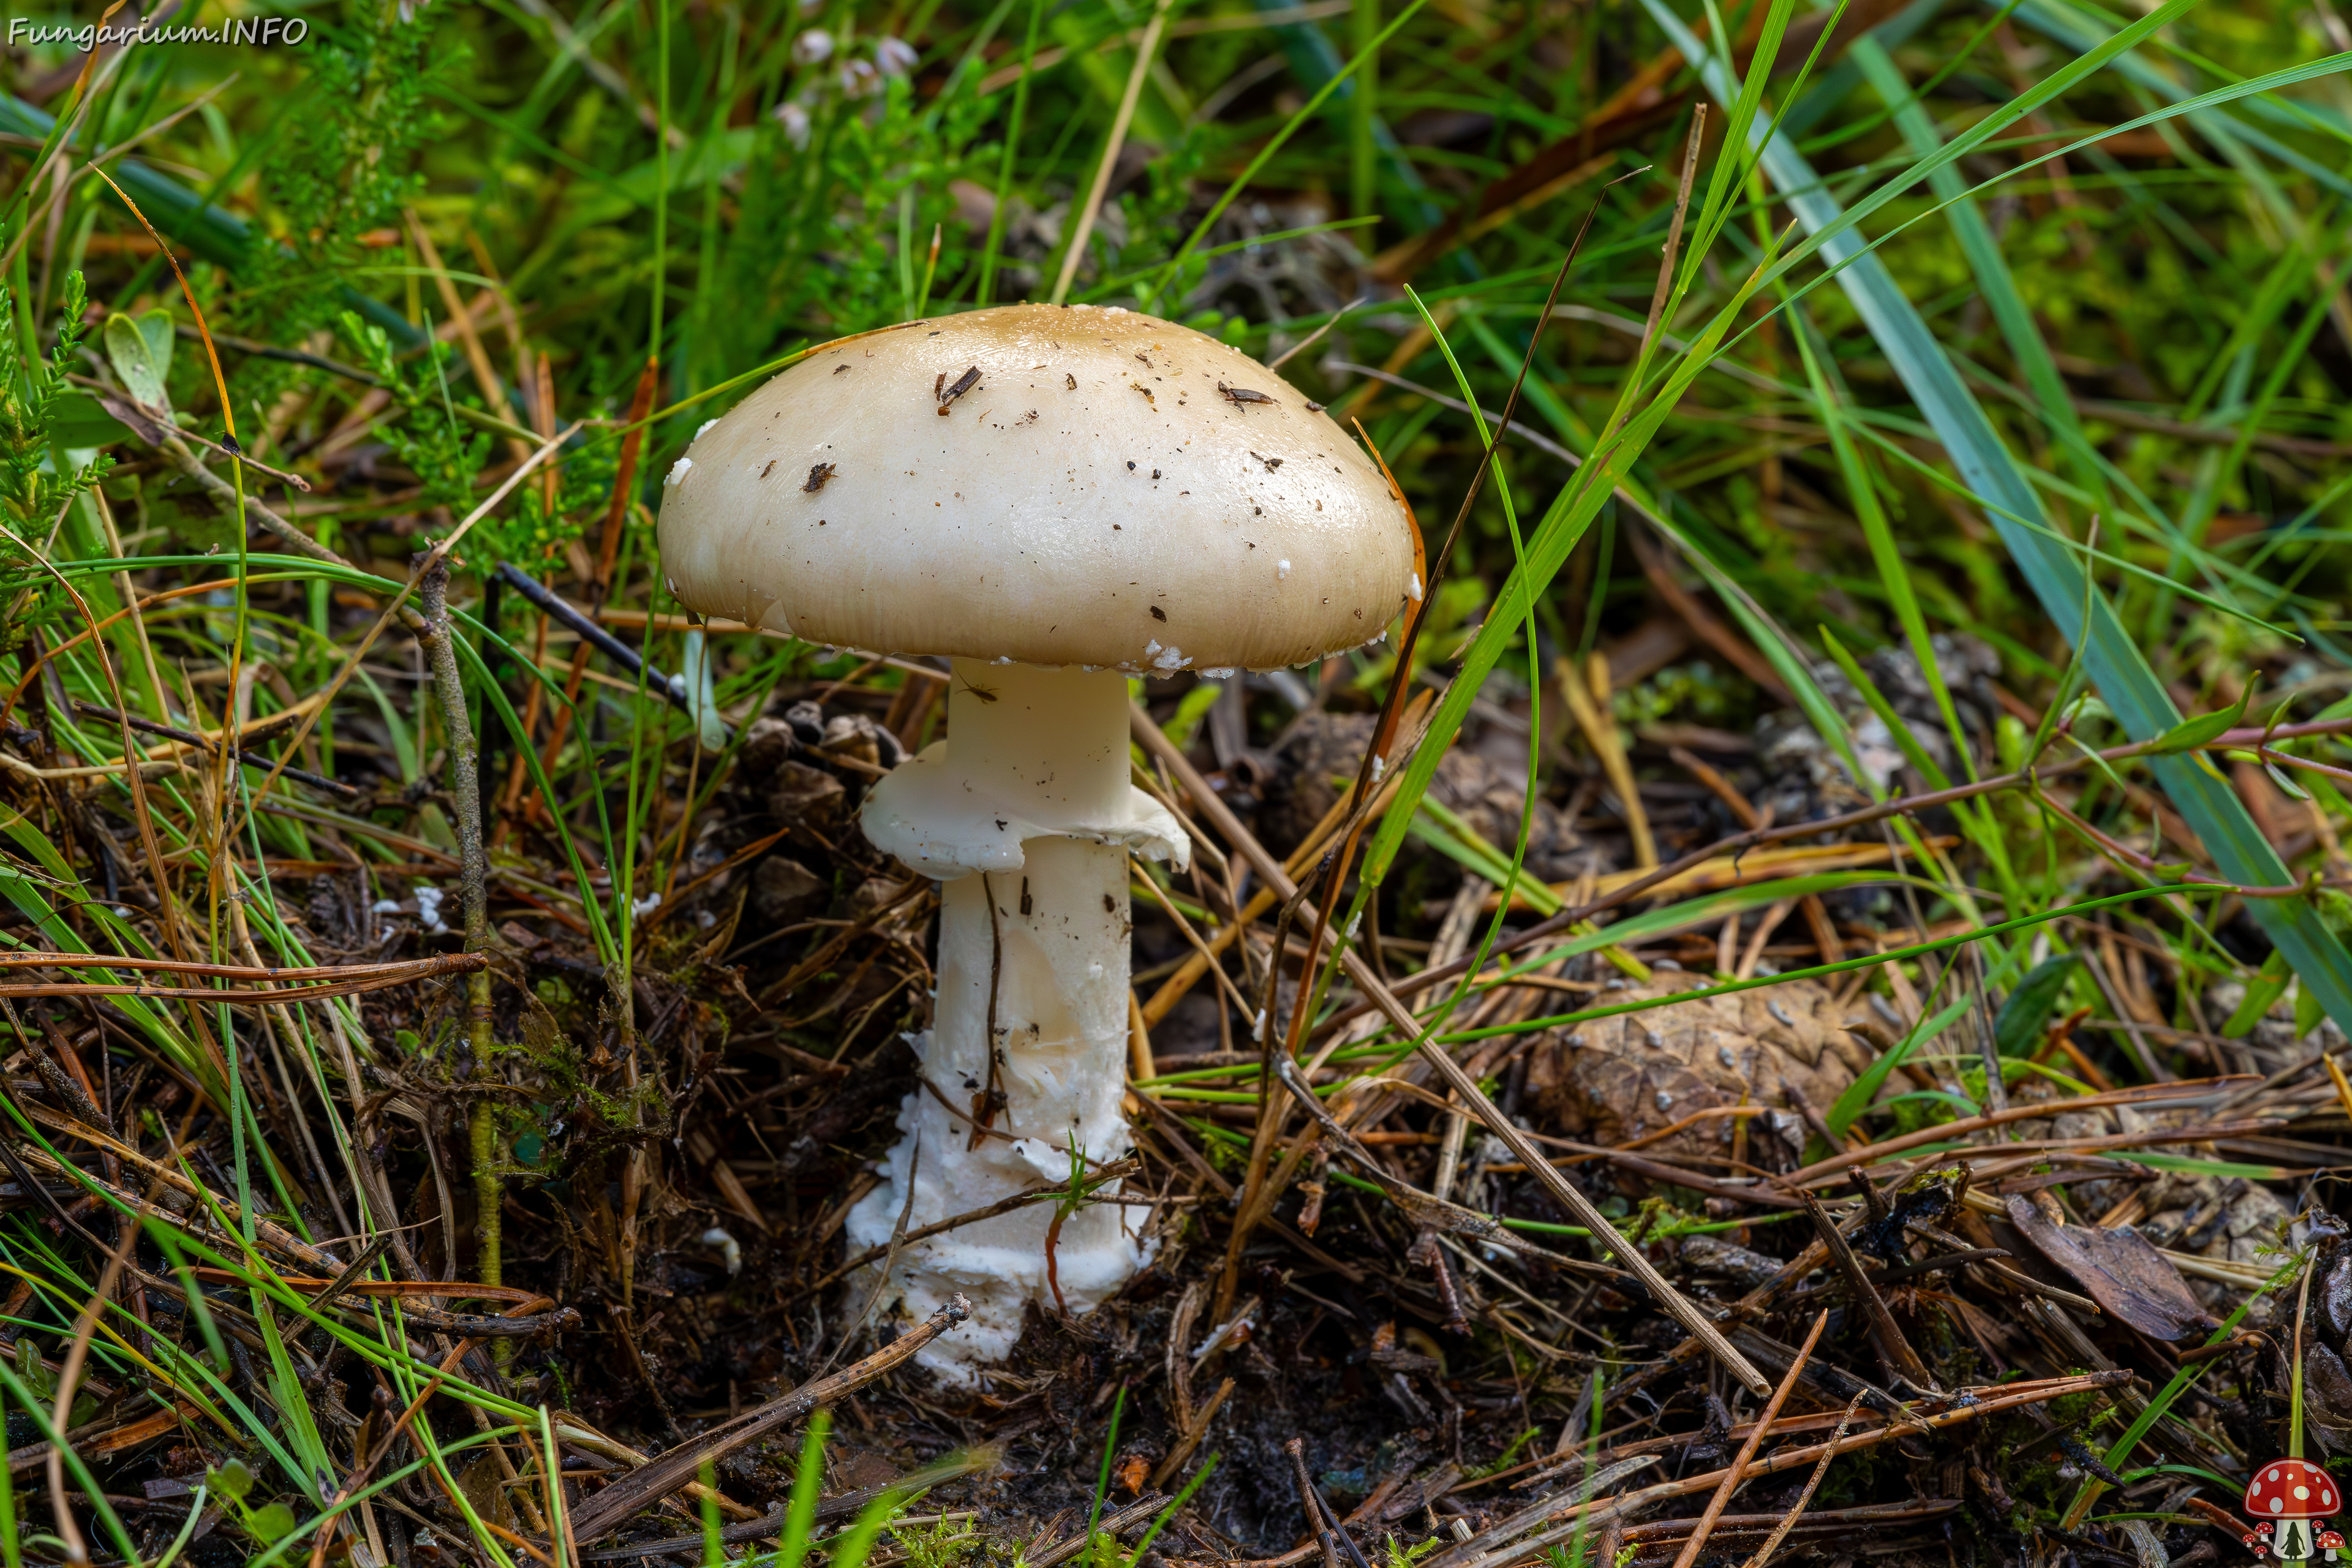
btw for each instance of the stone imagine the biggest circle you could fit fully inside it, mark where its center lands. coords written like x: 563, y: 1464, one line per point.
x: 785, y: 891
x: 801, y: 794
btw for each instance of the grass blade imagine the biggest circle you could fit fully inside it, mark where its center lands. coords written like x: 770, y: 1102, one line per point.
x: 2116, y: 665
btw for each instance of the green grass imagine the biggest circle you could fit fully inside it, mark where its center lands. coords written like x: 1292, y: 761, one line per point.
x: 2030, y: 331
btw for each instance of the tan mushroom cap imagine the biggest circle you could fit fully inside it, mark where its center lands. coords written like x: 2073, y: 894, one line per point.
x: 1106, y: 488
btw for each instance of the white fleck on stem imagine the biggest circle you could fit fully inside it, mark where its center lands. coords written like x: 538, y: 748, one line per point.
x: 730, y: 1251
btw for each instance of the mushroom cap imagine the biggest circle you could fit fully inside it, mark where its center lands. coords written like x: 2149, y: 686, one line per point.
x: 1108, y: 489
x: 2291, y: 1488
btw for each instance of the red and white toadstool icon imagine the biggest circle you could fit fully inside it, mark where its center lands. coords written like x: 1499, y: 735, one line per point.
x: 2330, y: 1543
x: 2257, y: 1542
x: 2290, y: 1494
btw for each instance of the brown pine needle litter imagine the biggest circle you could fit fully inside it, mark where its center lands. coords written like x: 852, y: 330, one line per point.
x: 1779, y: 994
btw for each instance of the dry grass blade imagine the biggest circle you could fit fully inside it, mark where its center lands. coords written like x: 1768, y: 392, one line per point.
x: 1576, y: 687
x: 852, y: 1263
x: 1788, y: 1521
x: 1737, y: 1471
x: 1402, y: 1159
x: 330, y: 982
x: 424, y: 562
x: 1672, y: 252
x: 1487, y: 1549
x: 1641, y: 884
x: 1473, y: 1098
x: 2180, y: 1092
x: 69, y: 1380
x: 665, y: 1473
x: 1145, y: 49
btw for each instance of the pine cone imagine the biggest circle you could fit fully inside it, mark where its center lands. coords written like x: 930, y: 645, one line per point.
x: 1615, y: 1079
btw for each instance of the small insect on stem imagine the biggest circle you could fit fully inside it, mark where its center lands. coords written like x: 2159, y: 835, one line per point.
x: 1271, y: 463
x: 818, y: 474
x: 1241, y: 395
x: 770, y: 467
x: 948, y: 394
x: 986, y: 694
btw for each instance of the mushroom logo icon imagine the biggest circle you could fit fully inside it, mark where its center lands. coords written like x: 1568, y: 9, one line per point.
x: 2330, y: 1543
x: 2291, y: 1494
x: 2257, y: 1542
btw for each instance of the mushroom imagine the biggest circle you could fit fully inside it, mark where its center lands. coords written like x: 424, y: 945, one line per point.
x: 2291, y: 1493
x: 2331, y: 1543
x: 1055, y: 499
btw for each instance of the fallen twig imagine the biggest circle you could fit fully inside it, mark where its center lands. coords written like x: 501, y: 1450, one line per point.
x: 1901, y: 1359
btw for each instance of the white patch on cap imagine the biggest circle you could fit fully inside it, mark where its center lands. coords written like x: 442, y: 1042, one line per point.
x: 678, y: 471
x: 703, y: 427
x: 1281, y: 570
x: 1412, y: 588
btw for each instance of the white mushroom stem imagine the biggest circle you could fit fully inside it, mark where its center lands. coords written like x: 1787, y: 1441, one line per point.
x: 1026, y: 814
